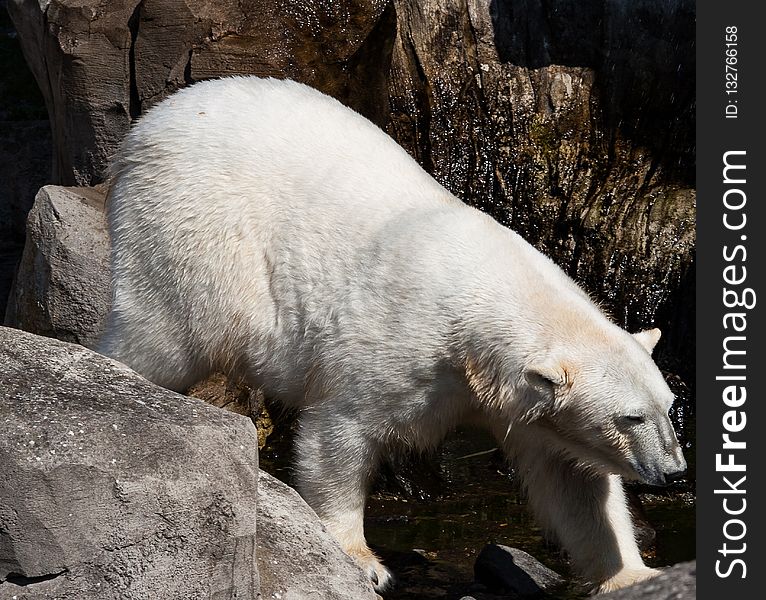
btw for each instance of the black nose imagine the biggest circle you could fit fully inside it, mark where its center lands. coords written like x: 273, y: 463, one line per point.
x: 675, y: 476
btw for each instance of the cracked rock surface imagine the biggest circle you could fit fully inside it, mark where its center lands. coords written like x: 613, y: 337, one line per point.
x: 62, y: 287
x: 115, y: 488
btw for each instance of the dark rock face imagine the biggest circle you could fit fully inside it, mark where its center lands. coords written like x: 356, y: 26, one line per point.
x: 679, y: 582
x: 25, y: 166
x: 100, y: 65
x: 62, y: 287
x: 573, y: 123
x: 113, y: 487
x: 25, y: 150
x: 514, y: 571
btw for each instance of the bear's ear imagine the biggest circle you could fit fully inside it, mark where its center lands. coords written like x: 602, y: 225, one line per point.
x: 543, y: 376
x: 551, y: 379
x: 648, y: 338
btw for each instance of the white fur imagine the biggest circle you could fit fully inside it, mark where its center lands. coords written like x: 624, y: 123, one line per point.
x: 261, y: 228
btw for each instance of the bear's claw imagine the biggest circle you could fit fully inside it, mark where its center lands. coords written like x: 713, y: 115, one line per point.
x: 625, y: 578
x: 380, y: 577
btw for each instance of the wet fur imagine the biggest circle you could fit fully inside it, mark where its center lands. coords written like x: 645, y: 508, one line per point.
x: 263, y: 229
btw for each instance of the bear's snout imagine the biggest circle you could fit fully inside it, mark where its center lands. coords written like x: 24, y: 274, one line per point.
x: 658, y: 458
x: 678, y: 469
x: 674, y: 476
x: 670, y: 468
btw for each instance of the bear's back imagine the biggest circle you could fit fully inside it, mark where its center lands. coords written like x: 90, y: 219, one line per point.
x: 275, y: 137
x: 243, y: 208
x: 263, y: 163
x: 252, y: 215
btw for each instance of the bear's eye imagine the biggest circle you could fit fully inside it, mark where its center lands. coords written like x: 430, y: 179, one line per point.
x: 635, y: 419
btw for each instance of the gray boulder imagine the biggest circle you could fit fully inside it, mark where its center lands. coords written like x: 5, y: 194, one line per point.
x: 297, y: 558
x: 62, y: 287
x: 679, y: 582
x: 514, y: 571
x: 115, y: 488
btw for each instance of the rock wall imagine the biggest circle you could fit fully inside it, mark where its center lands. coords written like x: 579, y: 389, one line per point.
x: 25, y: 149
x: 572, y: 122
x: 100, y: 64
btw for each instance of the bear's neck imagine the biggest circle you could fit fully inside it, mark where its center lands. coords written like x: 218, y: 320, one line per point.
x: 518, y: 308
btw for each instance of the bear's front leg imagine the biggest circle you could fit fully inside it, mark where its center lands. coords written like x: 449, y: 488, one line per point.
x: 587, y: 512
x: 335, y: 464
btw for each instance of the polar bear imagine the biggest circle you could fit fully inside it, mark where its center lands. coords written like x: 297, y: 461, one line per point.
x: 263, y: 229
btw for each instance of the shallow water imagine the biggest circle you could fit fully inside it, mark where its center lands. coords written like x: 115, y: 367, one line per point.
x: 431, y: 533
x: 483, y: 505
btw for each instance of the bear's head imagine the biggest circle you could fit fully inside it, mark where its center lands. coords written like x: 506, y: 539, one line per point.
x: 607, y: 407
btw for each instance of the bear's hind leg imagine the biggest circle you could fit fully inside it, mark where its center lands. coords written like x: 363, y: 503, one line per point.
x: 588, y: 513
x: 335, y: 464
x: 152, y: 352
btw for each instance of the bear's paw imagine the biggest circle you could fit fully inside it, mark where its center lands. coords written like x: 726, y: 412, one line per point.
x: 625, y: 578
x: 380, y: 577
